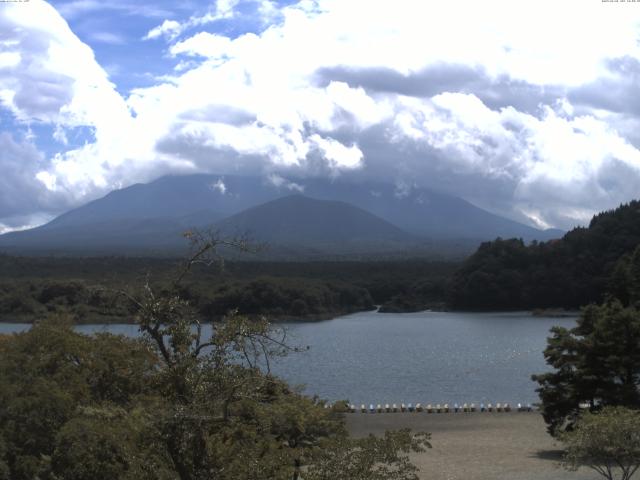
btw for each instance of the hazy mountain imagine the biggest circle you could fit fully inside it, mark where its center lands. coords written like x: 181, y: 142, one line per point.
x: 427, y: 213
x: 323, y: 225
x: 152, y: 216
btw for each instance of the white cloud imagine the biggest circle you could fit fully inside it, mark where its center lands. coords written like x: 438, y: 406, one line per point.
x: 204, y: 44
x: 338, y: 155
x: 109, y: 38
x: 281, y: 182
x: 75, y: 8
x: 168, y: 28
x: 171, y: 29
x: 219, y: 186
x: 476, y: 98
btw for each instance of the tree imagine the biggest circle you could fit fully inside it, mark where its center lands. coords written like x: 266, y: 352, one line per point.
x: 226, y: 417
x: 597, y: 364
x: 50, y: 373
x: 174, y: 404
x: 369, y: 458
x: 607, y: 442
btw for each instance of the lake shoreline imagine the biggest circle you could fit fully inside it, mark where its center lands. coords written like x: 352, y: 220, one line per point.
x: 428, y: 357
x: 321, y: 317
x: 477, y: 446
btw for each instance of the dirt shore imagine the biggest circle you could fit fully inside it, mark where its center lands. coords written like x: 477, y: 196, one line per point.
x: 478, y: 446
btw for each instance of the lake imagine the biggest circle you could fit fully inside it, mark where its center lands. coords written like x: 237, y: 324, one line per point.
x: 426, y: 357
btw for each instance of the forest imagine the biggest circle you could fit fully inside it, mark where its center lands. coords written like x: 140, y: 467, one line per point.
x: 579, y: 269
x: 506, y: 274
x: 174, y: 403
x: 87, y: 288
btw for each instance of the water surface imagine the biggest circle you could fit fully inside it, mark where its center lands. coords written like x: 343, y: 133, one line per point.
x: 427, y: 357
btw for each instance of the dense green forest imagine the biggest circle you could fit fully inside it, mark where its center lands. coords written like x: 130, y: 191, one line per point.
x: 175, y: 403
x: 571, y: 272
x: 87, y: 288
x: 579, y: 269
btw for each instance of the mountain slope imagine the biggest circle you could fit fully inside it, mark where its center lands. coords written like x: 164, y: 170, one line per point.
x: 297, y: 220
x: 151, y: 216
x: 571, y: 272
x: 428, y: 213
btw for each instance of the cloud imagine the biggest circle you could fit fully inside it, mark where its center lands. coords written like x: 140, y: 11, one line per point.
x: 204, y: 44
x: 75, y: 8
x: 22, y: 195
x: 171, y: 29
x: 539, y: 124
x: 168, y: 28
x: 281, y: 182
x: 108, y: 38
x: 219, y: 186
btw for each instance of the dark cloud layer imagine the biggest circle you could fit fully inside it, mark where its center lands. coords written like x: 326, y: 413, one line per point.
x: 436, y: 79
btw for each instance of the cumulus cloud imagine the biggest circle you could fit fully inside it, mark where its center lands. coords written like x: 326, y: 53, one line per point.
x: 281, y: 182
x: 22, y: 196
x: 539, y: 124
x: 170, y: 29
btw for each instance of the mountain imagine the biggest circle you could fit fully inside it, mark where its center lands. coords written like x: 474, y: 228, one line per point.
x: 324, y: 225
x: 149, y: 218
x: 578, y: 269
x: 426, y: 212
x: 294, y: 225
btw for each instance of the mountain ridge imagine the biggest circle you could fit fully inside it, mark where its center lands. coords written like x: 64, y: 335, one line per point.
x: 153, y: 215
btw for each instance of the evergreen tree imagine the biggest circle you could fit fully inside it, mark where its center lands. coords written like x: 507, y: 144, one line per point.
x: 596, y: 364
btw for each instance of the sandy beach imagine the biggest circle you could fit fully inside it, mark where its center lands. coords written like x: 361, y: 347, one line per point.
x: 478, y: 446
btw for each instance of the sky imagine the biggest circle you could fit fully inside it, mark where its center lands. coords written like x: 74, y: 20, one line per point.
x: 529, y: 109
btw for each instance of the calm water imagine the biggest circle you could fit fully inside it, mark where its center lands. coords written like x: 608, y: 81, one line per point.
x: 427, y: 357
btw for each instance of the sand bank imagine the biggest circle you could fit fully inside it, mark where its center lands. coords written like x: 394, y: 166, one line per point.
x: 478, y: 446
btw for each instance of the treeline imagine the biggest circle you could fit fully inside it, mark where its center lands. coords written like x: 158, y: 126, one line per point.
x: 283, y: 298
x: 108, y: 407
x: 571, y: 272
x: 29, y: 300
x: 88, y: 289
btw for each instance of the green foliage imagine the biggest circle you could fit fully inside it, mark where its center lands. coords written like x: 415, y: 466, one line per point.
x: 48, y: 373
x: 287, y: 298
x: 607, y: 442
x: 624, y: 283
x: 173, y: 405
x: 596, y: 363
x: 107, y: 442
x: 369, y: 458
x: 568, y: 273
x: 27, y: 300
x: 32, y: 288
